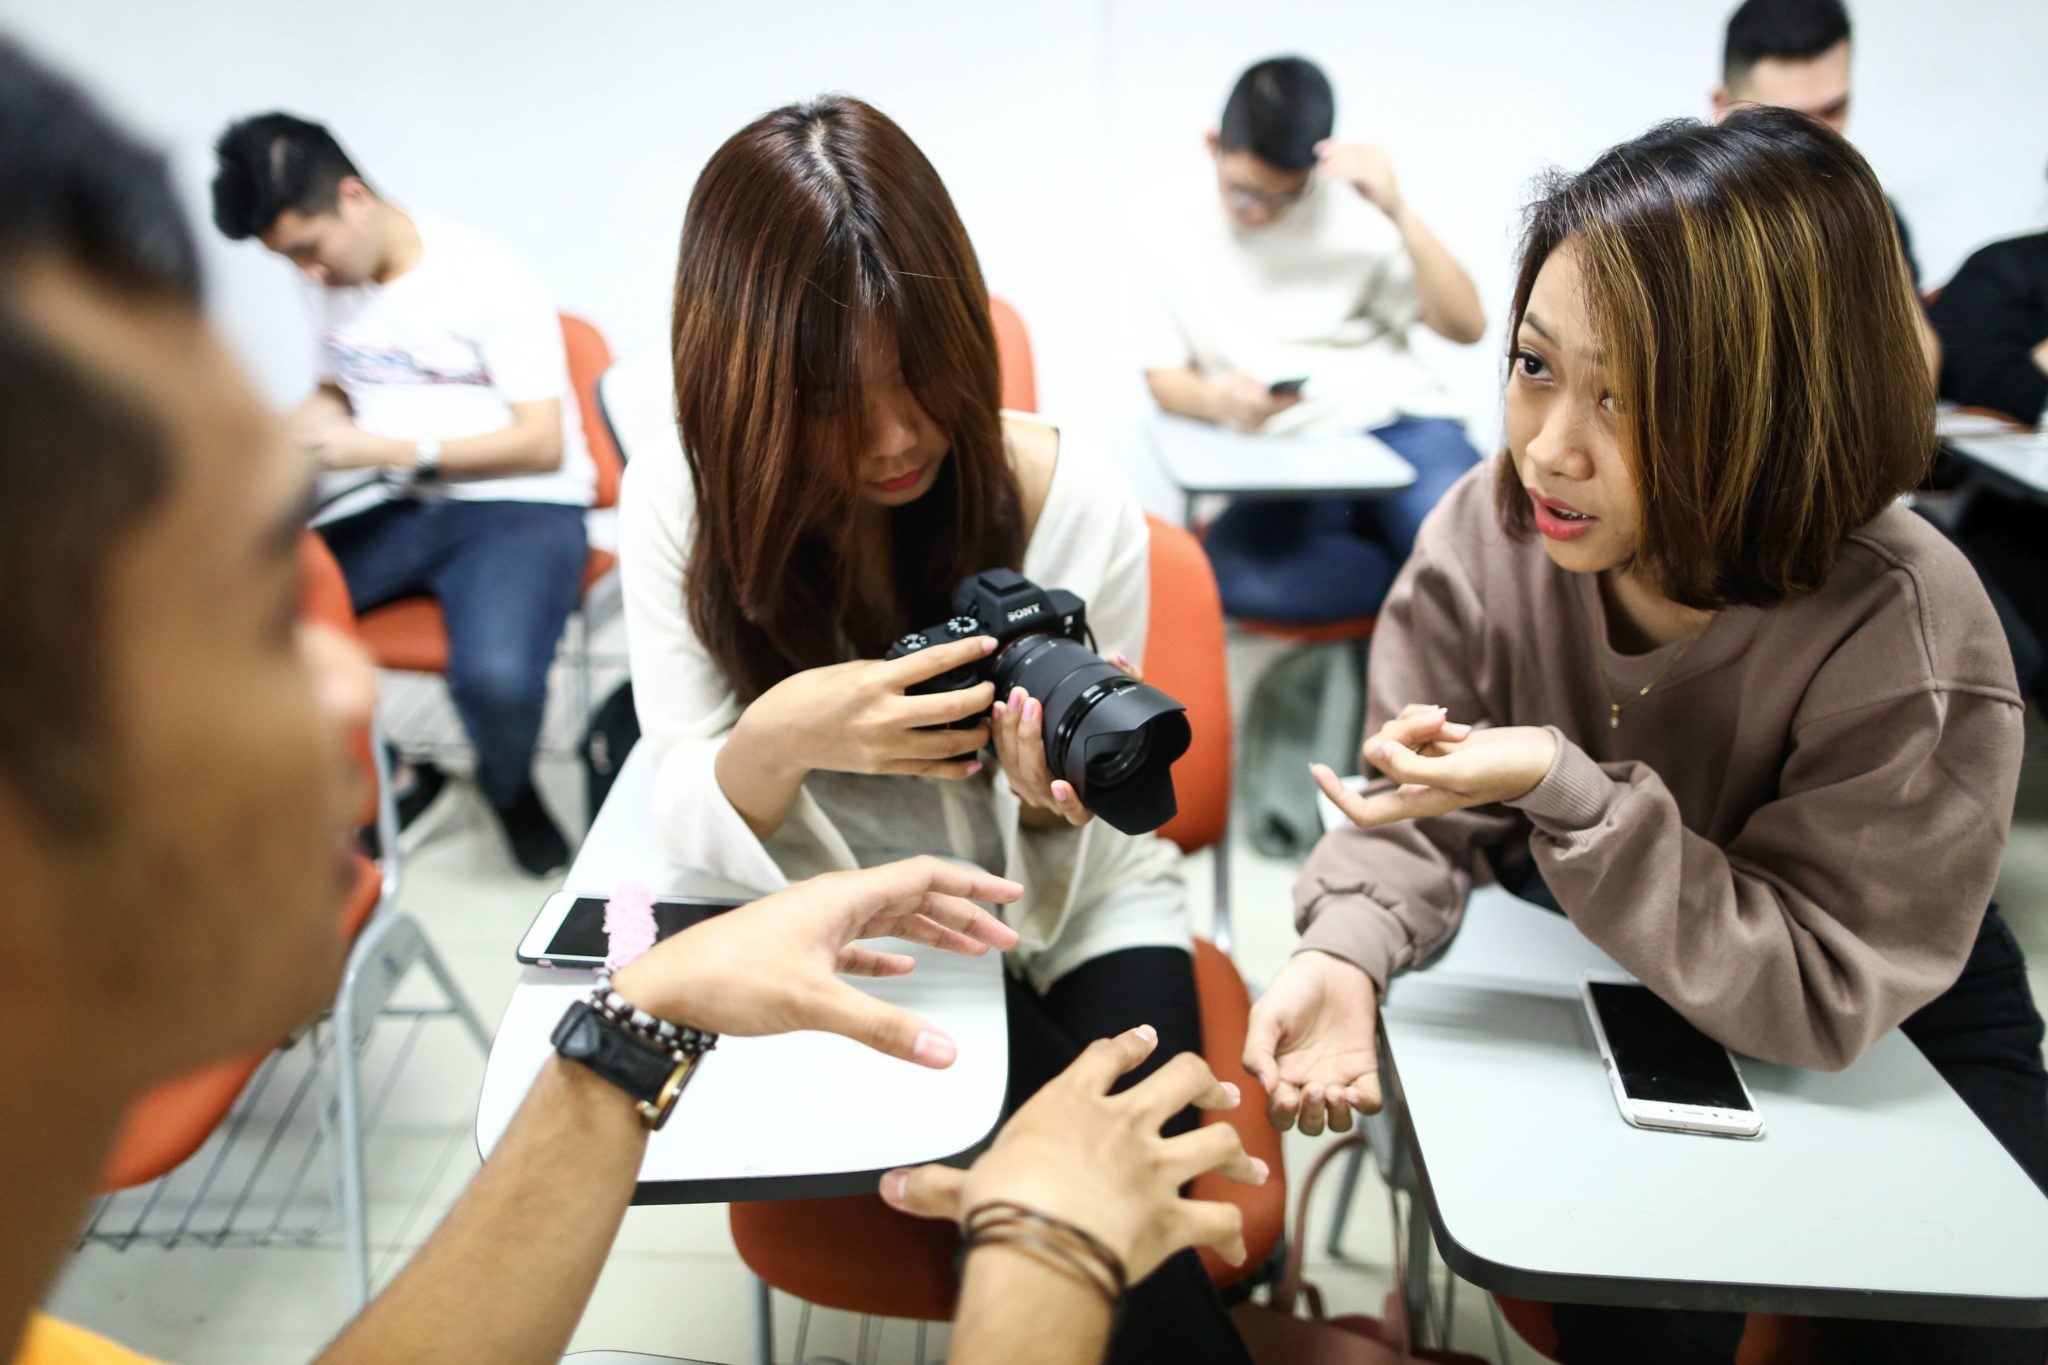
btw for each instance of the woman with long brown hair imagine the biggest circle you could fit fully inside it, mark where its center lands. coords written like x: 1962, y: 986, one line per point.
x: 843, y: 463
x: 1678, y: 664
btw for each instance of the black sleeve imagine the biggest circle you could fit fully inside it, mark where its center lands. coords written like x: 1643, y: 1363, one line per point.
x: 1990, y: 317
x: 1905, y: 243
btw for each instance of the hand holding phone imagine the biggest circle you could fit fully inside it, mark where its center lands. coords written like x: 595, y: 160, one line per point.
x: 1664, y: 1072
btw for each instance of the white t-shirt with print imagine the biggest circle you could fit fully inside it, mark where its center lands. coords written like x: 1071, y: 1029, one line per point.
x: 445, y: 350
x: 1324, y: 293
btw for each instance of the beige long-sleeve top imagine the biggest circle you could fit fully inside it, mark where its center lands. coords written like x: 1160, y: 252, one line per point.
x: 1088, y: 892
x: 1792, y: 838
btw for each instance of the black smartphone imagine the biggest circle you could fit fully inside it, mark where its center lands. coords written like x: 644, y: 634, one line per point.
x: 1286, y: 388
x: 569, y: 930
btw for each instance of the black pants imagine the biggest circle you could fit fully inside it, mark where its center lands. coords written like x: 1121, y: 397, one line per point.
x: 1174, y: 1317
x: 2002, y: 538
x: 1984, y: 1037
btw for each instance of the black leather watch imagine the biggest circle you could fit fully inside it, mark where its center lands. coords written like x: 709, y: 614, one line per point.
x: 654, y: 1076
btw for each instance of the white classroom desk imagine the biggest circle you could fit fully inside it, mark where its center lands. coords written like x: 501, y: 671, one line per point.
x: 1201, y: 457
x: 1873, y: 1193
x: 737, y: 1132
x: 2015, y: 459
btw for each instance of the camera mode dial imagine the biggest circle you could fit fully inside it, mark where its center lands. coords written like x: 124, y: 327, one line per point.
x: 964, y: 626
x: 914, y: 640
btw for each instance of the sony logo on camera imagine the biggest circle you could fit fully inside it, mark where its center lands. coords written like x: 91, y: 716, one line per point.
x: 1022, y: 612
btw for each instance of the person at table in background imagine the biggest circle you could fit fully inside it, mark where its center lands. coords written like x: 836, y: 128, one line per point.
x: 444, y: 415
x: 1796, y: 54
x: 1676, y: 663
x: 1992, y: 317
x: 1313, y: 267
x: 176, y: 792
x: 842, y: 464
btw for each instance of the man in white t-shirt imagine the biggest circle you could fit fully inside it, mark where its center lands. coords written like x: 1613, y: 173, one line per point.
x: 1285, y: 309
x: 445, y: 420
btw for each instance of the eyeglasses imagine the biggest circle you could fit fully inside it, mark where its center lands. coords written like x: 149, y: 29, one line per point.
x: 1245, y: 197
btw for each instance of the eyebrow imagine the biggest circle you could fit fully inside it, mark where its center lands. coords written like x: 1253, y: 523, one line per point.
x: 1593, y: 357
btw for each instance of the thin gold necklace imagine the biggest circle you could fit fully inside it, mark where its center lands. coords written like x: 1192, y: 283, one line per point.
x: 1615, y: 708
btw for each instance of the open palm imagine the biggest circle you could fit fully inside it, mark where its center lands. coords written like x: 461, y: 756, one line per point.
x: 1312, y: 1044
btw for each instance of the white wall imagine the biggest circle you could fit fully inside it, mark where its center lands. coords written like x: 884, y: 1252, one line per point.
x: 573, y: 132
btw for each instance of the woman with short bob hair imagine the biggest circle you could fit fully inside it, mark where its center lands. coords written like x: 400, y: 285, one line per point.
x: 843, y: 462
x: 1680, y: 665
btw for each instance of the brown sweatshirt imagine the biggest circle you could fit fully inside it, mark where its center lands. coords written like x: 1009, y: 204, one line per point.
x: 1792, y: 838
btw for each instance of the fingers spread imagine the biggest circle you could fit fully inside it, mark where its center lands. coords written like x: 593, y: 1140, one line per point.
x: 1106, y: 1059
x: 918, y: 929
x: 855, y: 960
x: 836, y: 1007
x: 1211, y: 1147
x: 964, y: 916
x: 926, y: 1191
x: 1184, y: 1080
x: 1211, y: 1224
x: 873, y: 889
x: 937, y: 708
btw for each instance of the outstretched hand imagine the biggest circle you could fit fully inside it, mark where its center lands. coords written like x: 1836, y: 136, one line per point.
x: 1077, y: 1153
x: 1312, y: 1044
x: 773, y: 966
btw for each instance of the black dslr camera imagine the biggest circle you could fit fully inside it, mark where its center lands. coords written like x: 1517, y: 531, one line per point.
x: 1114, y: 739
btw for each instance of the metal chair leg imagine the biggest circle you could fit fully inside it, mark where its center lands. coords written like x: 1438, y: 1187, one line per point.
x: 761, y: 1324
x: 1219, y: 933
x: 348, y: 1151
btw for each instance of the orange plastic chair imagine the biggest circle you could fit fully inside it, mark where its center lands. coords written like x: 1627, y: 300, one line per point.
x: 410, y: 635
x: 1013, y: 357
x: 1767, y: 1338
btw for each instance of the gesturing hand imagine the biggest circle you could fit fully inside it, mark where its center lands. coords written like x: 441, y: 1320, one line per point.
x: 1442, y: 766
x: 1365, y: 168
x: 856, y: 717
x: 1096, y: 1160
x: 1019, y: 726
x: 1311, y: 1044
x: 771, y: 967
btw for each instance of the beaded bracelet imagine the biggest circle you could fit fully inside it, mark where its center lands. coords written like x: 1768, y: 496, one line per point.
x: 658, y: 1033
x: 1074, y: 1250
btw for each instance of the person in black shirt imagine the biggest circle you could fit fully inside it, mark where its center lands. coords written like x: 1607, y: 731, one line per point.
x: 1993, y: 322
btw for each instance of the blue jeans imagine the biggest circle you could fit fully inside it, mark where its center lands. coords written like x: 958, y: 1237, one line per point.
x: 507, y: 575
x: 1329, y: 559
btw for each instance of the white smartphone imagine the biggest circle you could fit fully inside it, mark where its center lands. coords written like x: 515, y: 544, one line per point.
x: 569, y: 930
x: 1664, y: 1072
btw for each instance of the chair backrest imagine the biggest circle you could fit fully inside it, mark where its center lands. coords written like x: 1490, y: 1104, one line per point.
x: 167, y: 1124
x: 1226, y: 1016
x: 1184, y: 658
x: 1013, y: 357
x: 589, y: 357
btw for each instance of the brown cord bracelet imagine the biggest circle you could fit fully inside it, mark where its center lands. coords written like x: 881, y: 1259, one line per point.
x: 1075, y: 1250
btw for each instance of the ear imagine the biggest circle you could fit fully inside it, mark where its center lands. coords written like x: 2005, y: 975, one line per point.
x: 1722, y: 102
x: 354, y: 190
x: 1214, y: 141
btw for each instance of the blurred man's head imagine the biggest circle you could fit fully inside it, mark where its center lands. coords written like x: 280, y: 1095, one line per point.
x: 289, y: 184
x: 1277, y: 114
x: 174, y: 783
x: 1793, y: 54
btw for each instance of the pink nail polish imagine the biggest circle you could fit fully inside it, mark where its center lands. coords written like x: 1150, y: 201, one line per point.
x: 974, y: 767
x: 933, y: 1048
x: 1147, y: 1032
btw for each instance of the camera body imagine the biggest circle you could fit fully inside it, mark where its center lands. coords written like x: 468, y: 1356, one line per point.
x: 1114, y: 739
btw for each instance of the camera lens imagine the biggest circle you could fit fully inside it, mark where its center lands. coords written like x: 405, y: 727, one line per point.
x: 1114, y: 739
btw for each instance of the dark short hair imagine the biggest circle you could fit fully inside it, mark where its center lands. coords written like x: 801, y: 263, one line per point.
x: 82, y: 460
x: 1762, y: 341
x: 1278, y: 111
x: 273, y: 162
x: 1780, y: 30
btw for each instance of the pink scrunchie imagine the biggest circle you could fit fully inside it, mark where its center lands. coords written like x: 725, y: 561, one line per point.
x: 628, y: 924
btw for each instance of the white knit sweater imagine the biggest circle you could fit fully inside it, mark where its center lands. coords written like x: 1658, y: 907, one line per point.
x: 1087, y: 892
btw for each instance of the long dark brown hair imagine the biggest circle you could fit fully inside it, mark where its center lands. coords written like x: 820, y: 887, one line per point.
x: 813, y: 229
x: 1746, y: 282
